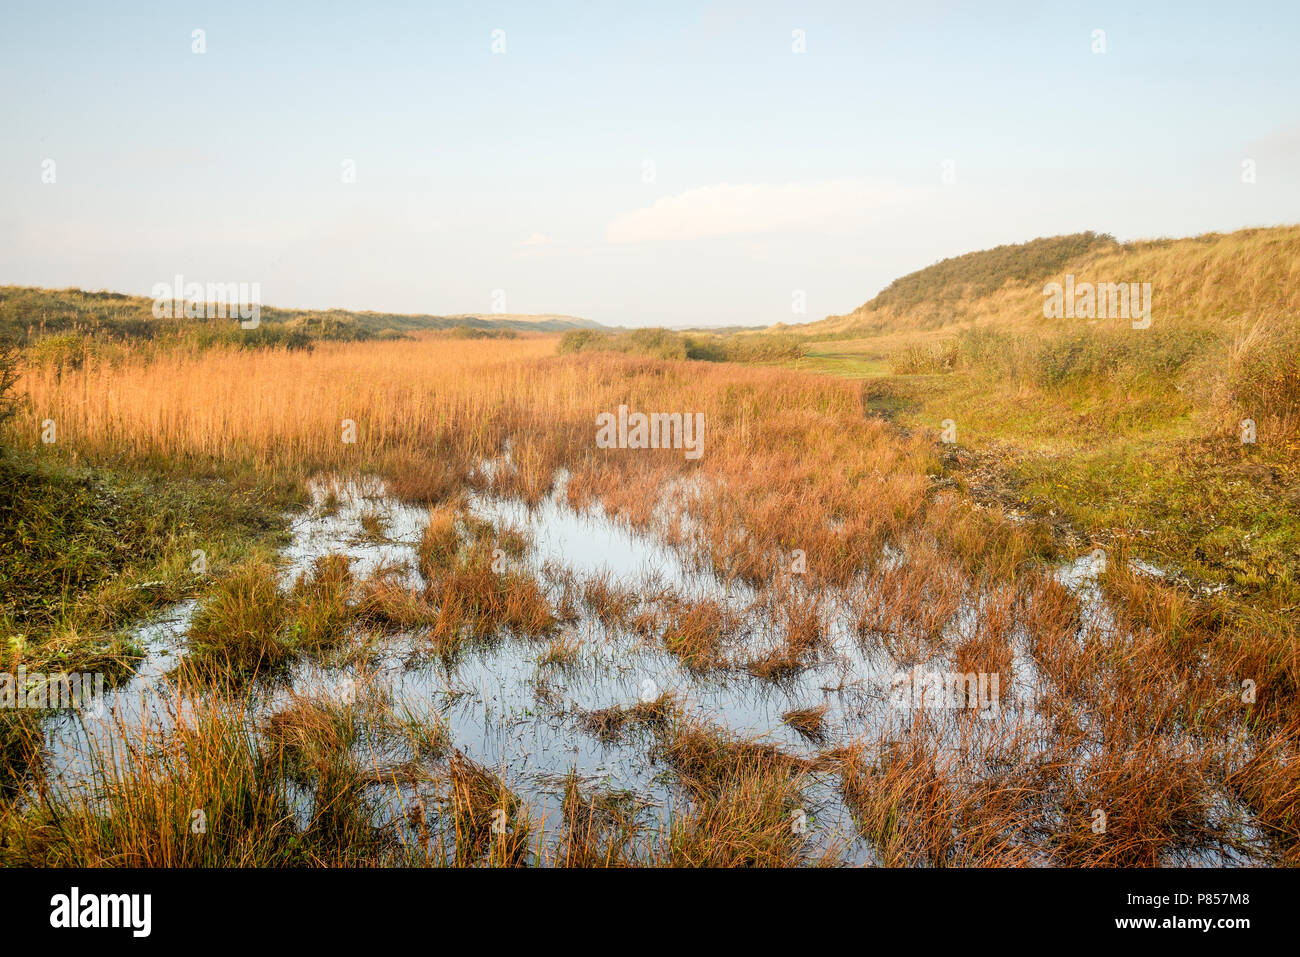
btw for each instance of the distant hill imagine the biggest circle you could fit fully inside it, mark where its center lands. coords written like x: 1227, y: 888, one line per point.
x: 379, y: 321
x: 1216, y: 275
x: 28, y: 312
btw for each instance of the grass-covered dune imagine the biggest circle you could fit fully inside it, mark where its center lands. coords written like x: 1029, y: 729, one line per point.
x: 1180, y: 438
x: 1217, y: 276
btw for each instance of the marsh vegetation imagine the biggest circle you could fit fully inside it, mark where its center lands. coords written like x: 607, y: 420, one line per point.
x: 434, y: 623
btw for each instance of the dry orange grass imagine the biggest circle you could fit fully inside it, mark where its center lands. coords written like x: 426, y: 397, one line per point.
x: 282, y: 407
x: 794, y: 452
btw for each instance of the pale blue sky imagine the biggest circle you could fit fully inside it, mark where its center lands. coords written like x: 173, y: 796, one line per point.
x: 524, y: 171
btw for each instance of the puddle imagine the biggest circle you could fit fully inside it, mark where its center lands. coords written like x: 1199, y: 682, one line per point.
x: 522, y: 718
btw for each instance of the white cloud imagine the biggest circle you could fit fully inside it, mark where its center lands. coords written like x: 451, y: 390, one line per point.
x: 536, y: 239
x: 754, y: 208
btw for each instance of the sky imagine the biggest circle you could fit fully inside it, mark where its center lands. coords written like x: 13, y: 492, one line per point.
x: 675, y: 164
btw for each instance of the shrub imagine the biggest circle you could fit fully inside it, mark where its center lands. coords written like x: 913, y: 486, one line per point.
x: 8, y: 378
x: 666, y: 344
x: 476, y: 332
x: 582, y: 340
x: 920, y: 358
x: 765, y: 347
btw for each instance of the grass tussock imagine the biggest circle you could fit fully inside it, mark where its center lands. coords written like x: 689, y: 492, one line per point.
x: 809, y: 722
x: 602, y: 828
x: 491, y: 824
x: 746, y: 798
x: 910, y: 802
x: 696, y: 631
x: 248, y: 625
x: 610, y: 724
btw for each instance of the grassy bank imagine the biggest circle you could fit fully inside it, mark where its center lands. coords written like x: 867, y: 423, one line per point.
x: 1180, y: 441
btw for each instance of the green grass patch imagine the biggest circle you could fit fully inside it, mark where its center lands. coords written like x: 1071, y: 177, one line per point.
x: 86, y: 550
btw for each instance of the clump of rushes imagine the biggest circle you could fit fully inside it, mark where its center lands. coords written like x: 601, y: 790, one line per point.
x: 247, y: 625
x: 750, y: 822
x: 425, y: 481
x: 612, y: 605
x: 902, y: 802
x: 745, y: 798
x: 315, y: 741
x: 440, y: 541
x: 798, y: 616
x: 535, y: 458
x: 1269, y: 784
x: 473, y: 593
x: 695, y: 633
x: 385, y: 600
x: 706, y: 758
x: 239, y: 626
x: 511, y: 541
x: 1153, y: 796
x: 202, y: 793
x: 775, y: 665
x: 805, y: 631
x: 466, y: 583
x: 609, y: 724
x: 809, y: 722
x: 919, y: 808
x: 323, y: 603
x: 491, y: 823
x: 600, y: 826
x: 647, y: 621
